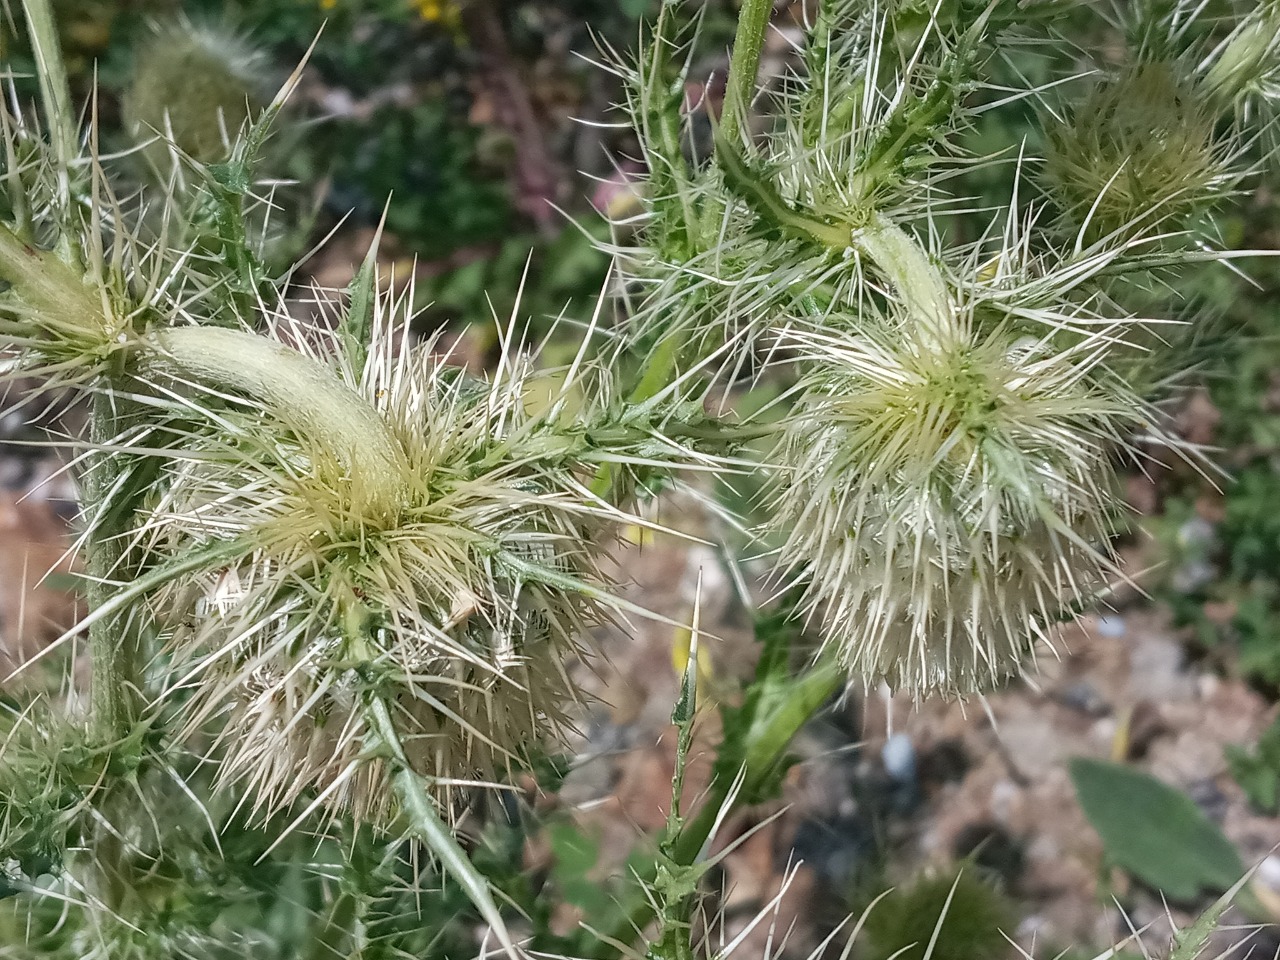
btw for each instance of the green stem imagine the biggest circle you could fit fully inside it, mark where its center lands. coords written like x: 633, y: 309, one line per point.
x: 655, y: 375
x: 65, y: 310
x: 661, y: 117
x: 51, y: 73
x: 426, y: 825
x: 663, y: 103
x: 744, y: 65
x: 55, y: 96
x: 114, y: 639
x: 897, y: 255
x: 766, y: 747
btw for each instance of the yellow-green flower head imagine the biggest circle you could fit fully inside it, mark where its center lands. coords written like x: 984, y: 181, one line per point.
x: 465, y: 607
x: 194, y: 85
x: 1138, y: 153
x: 944, y: 498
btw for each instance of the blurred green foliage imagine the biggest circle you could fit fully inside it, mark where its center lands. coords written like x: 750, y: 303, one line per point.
x: 949, y: 916
x: 1258, y: 770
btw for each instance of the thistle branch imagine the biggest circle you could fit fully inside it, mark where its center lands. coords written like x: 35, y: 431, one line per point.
x: 767, y: 742
x: 60, y: 117
x: 896, y: 254
x: 744, y: 65
x: 426, y: 825
x: 299, y: 392
x: 904, y: 263
x: 766, y: 746
x: 114, y: 640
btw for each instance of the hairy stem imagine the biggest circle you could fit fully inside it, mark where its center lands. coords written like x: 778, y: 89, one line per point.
x: 59, y: 115
x: 918, y: 283
x: 63, y: 308
x: 114, y: 639
x: 425, y: 824
x: 744, y: 65
x: 660, y: 116
x: 655, y: 375
x: 51, y: 73
x: 671, y: 173
x: 765, y: 749
x: 898, y: 256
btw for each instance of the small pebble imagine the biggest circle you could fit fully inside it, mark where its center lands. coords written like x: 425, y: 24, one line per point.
x: 1085, y: 697
x: 1269, y: 872
x: 1196, y: 533
x: 1112, y: 626
x: 899, y: 757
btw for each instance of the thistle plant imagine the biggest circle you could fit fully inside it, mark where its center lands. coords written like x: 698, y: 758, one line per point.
x: 337, y: 585
x: 944, y: 483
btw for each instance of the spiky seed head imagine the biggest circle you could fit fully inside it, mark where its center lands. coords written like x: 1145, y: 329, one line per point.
x: 944, y: 499
x: 195, y: 86
x: 465, y: 610
x: 1138, y: 153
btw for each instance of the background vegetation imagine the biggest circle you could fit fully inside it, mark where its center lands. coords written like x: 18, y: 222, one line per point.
x: 463, y: 114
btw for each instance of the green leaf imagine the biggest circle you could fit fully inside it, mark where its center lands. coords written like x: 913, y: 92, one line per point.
x: 1154, y: 831
x: 1260, y: 782
x: 357, y: 326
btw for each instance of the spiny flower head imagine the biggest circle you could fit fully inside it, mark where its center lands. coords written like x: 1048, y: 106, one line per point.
x: 1141, y: 151
x: 464, y: 608
x: 194, y: 86
x: 944, y: 498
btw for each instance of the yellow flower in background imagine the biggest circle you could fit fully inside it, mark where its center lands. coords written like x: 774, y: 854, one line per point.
x: 437, y: 11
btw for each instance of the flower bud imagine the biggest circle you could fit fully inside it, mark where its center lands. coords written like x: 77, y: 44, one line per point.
x: 195, y: 86
x: 1139, y: 152
x: 1248, y: 63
